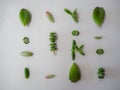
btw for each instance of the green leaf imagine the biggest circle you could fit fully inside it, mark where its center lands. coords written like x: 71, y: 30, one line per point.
x: 75, y: 32
x: 26, y: 40
x: 26, y: 53
x: 74, y: 73
x: 25, y: 16
x: 50, y: 16
x: 68, y: 11
x: 100, y: 51
x: 27, y: 73
x: 75, y: 15
x: 98, y: 15
x: 98, y: 37
x: 80, y: 50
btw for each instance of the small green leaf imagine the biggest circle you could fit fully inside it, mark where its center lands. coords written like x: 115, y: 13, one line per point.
x: 50, y: 76
x: 26, y: 73
x: 25, y: 16
x: 68, y: 11
x: 50, y: 16
x: 26, y: 40
x: 75, y: 32
x: 98, y: 37
x: 100, y: 51
x: 98, y: 15
x: 26, y: 53
x: 74, y: 73
x: 75, y: 15
x: 80, y: 50
x: 101, y: 70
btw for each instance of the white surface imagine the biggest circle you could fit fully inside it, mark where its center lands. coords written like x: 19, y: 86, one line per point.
x: 43, y: 62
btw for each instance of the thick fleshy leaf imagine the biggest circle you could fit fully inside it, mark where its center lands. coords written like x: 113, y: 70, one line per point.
x: 74, y: 73
x: 98, y: 15
x: 25, y: 16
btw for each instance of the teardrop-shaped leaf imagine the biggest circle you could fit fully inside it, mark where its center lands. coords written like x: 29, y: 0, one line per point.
x: 25, y: 16
x: 50, y: 16
x: 74, y: 73
x: 98, y: 15
x: 50, y: 76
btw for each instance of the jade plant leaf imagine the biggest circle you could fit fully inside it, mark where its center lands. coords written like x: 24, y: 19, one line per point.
x: 99, y: 15
x: 25, y: 16
x: 74, y: 73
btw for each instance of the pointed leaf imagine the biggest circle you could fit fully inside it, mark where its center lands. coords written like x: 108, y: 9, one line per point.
x: 25, y: 16
x: 98, y: 15
x: 74, y: 73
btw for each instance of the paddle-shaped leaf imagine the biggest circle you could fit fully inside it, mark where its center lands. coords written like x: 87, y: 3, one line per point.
x: 25, y: 16
x: 98, y: 15
x: 74, y: 73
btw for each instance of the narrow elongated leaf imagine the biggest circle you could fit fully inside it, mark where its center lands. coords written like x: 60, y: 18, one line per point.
x: 68, y: 11
x: 98, y: 15
x: 74, y: 73
x: 25, y: 16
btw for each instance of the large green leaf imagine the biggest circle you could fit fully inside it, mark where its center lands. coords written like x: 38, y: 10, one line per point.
x: 74, y: 73
x: 99, y: 15
x: 25, y: 16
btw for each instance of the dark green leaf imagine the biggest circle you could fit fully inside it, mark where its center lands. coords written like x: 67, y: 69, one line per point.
x: 27, y: 73
x: 26, y: 40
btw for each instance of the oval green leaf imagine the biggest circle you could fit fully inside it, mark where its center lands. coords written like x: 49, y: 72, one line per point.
x: 24, y: 16
x: 74, y: 73
x: 26, y: 53
x: 98, y: 15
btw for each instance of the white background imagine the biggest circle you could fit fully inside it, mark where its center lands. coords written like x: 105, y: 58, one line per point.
x: 43, y: 62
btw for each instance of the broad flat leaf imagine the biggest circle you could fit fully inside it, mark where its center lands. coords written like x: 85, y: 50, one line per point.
x: 25, y: 16
x: 98, y: 15
x: 74, y: 73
